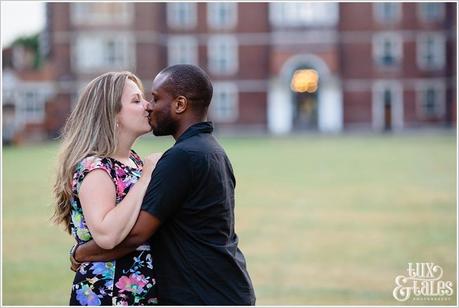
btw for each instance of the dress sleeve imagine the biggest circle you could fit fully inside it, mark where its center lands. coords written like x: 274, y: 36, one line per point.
x: 88, y: 164
x: 170, y: 184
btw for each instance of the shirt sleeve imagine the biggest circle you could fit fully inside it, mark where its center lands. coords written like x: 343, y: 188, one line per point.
x: 88, y: 164
x: 170, y: 184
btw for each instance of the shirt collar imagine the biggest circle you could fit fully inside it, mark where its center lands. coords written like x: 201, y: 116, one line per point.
x: 198, y: 128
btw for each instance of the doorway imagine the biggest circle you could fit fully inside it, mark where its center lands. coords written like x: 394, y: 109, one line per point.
x: 387, y: 110
x: 304, y: 86
x: 305, y: 117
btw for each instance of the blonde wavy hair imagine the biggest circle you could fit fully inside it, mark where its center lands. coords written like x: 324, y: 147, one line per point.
x: 89, y: 130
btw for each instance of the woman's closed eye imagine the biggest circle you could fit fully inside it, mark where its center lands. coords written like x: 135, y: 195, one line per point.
x: 137, y: 99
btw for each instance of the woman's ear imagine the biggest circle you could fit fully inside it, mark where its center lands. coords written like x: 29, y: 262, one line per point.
x: 117, y: 121
x: 181, y: 104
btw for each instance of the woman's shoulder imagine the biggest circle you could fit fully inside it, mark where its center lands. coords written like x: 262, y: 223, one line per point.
x: 92, y: 162
x: 88, y: 164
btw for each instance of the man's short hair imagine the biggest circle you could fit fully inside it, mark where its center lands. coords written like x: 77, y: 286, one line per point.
x: 191, y: 82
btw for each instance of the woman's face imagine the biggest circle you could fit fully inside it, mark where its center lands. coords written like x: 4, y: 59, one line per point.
x: 135, y: 111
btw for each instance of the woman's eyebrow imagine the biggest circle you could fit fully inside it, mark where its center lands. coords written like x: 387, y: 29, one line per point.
x: 136, y: 95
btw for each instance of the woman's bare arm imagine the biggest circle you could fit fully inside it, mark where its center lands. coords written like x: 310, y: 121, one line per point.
x: 109, y: 223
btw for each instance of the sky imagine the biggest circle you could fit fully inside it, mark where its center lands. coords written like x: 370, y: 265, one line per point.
x: 21, y: 18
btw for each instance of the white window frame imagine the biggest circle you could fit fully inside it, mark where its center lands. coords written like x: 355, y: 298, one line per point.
x: 174, y: 19
x: 378, y: 11
x: 438, y: 52
x: 425, y: 17
x: 81, y: 14
x: 41, y: 91
x: 223, y: 48
x: 294, y: 14
x: 440, y: 104
x: 379, y: 45
x: 182, y: 49
x: 32, y: 111
x: 7, y: 94
x: 90, y: 54
x: 378, y: 92
x: 213, y: 15
x: 232, y: 102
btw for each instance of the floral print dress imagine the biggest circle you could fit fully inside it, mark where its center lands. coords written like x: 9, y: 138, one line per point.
x: 125, y: 281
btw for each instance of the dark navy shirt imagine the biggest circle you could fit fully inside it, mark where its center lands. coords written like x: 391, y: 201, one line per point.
x: 195, y: 250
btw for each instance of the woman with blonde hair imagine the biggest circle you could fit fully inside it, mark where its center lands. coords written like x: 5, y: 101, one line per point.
x: 100, y: 185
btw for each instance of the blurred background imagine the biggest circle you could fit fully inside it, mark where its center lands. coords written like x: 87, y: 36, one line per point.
x: 276, y: 67
x: 339, y: 118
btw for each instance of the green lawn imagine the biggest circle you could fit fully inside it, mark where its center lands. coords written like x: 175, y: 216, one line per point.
x: 321, y: 219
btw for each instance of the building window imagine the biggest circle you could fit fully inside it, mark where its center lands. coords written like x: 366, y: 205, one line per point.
x: 387, y: 106
x: 182, y: 49
x: 431, y: 12
x: 387, y: 49
x: 7, y: 94
x: 31, y: 106
x: 303, y: 13
x: 95, y: 13
x: 94, y: 52
x: 222, y: 15
x: 431, y: 100
x: 181, y: 15
x: 431, y: 50
x: 223, y: 55
x: 387, y: 12
x: 224, y: 105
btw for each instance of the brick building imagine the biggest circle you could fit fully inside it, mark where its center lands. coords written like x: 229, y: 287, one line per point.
x: 276, y: 67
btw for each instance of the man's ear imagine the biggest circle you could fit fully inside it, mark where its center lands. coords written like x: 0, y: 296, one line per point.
x: 181, y: 104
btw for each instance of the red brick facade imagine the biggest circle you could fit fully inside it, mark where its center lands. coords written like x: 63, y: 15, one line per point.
x: 343, y: 52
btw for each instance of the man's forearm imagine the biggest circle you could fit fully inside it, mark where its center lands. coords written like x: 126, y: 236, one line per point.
x: 144, y: 228
x: 90, y: 251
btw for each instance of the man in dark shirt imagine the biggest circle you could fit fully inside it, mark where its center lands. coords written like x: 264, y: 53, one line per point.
x: 189, y: 203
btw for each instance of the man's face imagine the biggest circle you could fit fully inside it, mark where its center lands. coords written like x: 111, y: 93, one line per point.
x: 162, y: 120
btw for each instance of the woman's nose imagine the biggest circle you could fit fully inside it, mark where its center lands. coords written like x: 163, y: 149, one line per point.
x: 147, y: 105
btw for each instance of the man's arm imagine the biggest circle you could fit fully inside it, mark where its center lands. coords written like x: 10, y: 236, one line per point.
x: 145, y: 226
x: 166, y: 192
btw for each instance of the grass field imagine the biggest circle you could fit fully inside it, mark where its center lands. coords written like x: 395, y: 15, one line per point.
x: 322, y: 220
